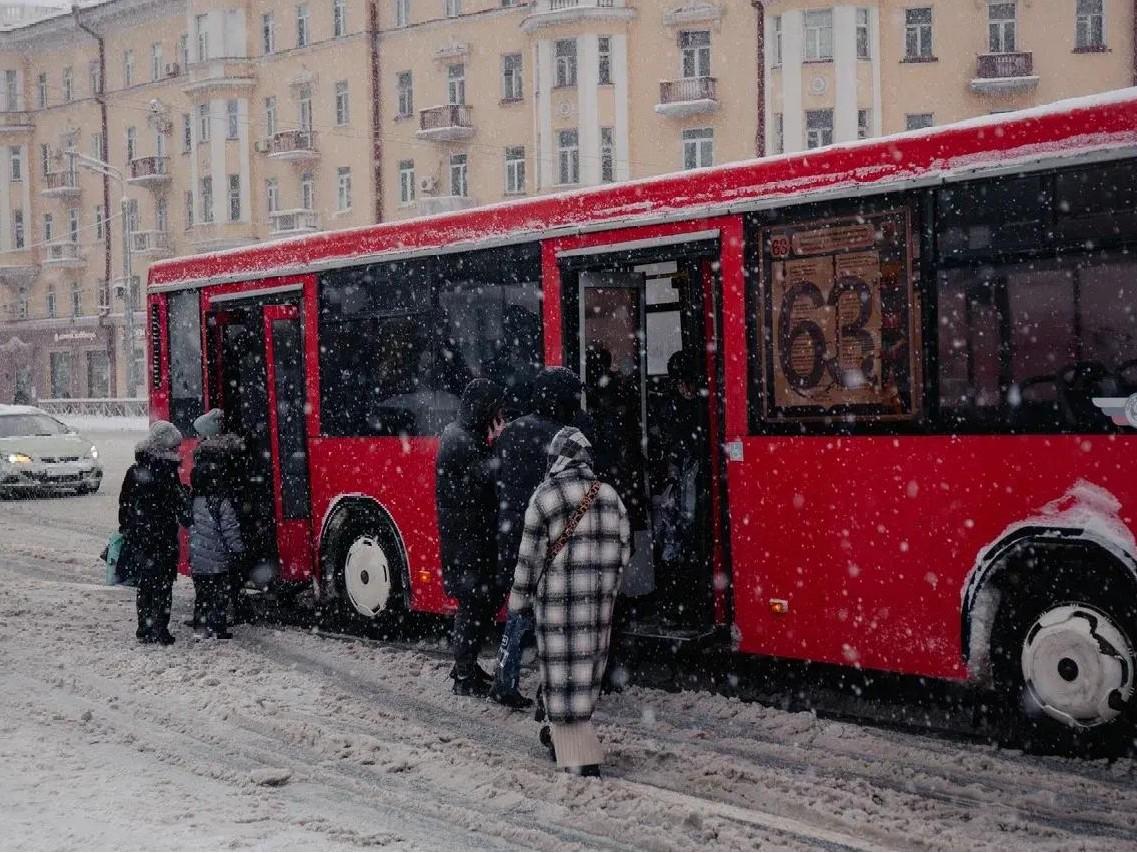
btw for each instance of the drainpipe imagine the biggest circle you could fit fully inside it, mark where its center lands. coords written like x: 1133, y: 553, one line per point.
x: 101, y: 98
x: 376, y: 115
x: 760, y: 53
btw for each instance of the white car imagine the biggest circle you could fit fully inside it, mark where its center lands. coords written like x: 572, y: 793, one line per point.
x: 41, y: 453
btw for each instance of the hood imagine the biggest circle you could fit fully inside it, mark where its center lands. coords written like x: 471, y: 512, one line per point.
x: 570, y: 451
x: 481, y: 400
x: 38, y: 446
x: 556, y: 394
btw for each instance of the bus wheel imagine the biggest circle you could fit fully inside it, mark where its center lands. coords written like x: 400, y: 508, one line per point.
x: 365, y: 565
x: 1065, y: 667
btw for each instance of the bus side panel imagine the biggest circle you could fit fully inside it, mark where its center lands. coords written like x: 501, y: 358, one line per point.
x: 870, y: 539
x: 157, y: 371
x: 399, y: 475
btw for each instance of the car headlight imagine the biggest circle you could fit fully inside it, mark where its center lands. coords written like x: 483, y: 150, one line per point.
x: 94, y: 453
x: 19, y: 458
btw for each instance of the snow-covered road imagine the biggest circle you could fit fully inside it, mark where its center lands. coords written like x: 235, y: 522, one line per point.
x: 105, y: 744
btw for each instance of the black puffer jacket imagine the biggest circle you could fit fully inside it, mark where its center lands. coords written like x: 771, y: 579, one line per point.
x: 151, y: 505
x: 464, y: 491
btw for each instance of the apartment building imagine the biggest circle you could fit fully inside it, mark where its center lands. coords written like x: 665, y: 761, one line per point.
x: 225, y: 122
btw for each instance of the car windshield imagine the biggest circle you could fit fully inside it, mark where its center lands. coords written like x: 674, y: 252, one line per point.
x: 24, y: 425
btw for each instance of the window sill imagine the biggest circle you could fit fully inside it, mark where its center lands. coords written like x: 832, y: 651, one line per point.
x: 918, y: 60
x: 507, y: 102
x: 403, y: 116
x: 563, y: 86
x: 567, y: 186
x: 1093, y: 48
x: 520, y: 194
x: 343, y: 212
x: 828, y: 61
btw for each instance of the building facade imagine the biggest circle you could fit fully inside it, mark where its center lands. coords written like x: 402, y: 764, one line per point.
x: 208, y: 124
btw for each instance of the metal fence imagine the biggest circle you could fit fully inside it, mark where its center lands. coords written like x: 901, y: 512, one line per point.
x: 105, y: 406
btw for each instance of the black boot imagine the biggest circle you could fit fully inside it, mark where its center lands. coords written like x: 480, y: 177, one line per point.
x: 592, y: 771
x: 546, y: 738
x: 512, y: 699
x: 467, y: 682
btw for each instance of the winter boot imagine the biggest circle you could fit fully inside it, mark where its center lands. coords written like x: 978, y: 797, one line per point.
x: 512, y: 699
x: 591, y: 771
x: 546, y: 738
x: 467, y: 681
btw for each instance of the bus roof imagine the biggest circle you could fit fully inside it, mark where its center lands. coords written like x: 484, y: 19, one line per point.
x: 1104, y: 124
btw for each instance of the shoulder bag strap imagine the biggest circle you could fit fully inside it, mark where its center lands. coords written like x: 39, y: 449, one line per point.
x: 566, y: 534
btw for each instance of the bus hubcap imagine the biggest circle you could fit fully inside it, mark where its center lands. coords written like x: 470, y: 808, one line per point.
x: 1077, y: 666
x: 367, y: 576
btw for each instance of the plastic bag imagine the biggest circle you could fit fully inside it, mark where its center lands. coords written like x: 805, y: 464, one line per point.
x: 110, y: 556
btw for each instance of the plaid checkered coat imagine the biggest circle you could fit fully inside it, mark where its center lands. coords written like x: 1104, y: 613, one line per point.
x: 572, y: 601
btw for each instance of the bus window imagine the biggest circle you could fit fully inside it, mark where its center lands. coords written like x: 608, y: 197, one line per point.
x: 184, y: 313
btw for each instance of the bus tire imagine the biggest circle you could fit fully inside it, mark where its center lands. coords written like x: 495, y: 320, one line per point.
x: 1064, y: 666
x: 363, y: 562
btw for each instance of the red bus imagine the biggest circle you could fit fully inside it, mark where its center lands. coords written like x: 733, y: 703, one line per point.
x: 914, y: 355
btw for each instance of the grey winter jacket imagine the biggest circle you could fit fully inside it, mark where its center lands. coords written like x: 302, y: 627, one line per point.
x: 215, y: 539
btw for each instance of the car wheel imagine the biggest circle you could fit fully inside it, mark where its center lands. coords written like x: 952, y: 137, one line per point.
x: 364, y: 564
x: 1065, y: 666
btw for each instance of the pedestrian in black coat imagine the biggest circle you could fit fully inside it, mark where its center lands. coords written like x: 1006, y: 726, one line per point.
x: 522, y: 455
x: 152, y: 504
x: 467, y: 521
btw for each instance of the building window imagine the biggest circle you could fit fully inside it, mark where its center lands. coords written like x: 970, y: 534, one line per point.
x: 1089, y: 25
x: 98, y: 373
x: 695, y: 46
x: 568, y: 157
x: 818, y: 25
x: 45, y: 158
x: 343, y: 115
x: 76, y: 299
x: 98, y: 146
x: 405, y: 87
x: 187, y: 133
x: 95, y: 77
x: 15, y: 163
x: 155, y: 62
x: 864, y: 124
x: 1001, y: 27
x: 818, y: 128
x: 207, y: 199
x: 917, y: 121
x: 607, y: 156
x: 272, y: 195
x: 133, y: 223
x: 68, y: 85
x: 11, y: 91
x: 17, y: 229
x: 203, y: 123
x: 339, y: 18
x: 515, y: 170
x: 604, y: 72
x: 307, y: 191
x: 343, y: 188
x: 456, y: 83
x: 302, y: 25
x: 161, y: 215
x: 183, y: 52
x: 862, y: 34
x: 234, y: 198
x: 189, y: 209
x: 104, y: 293
x: 201, y: 36
x: 776, y: 40
x: 402, y: 12
x: 51, y: 309
x: 100, y: 219
x: 304, y: 101
x: 73, y: 224
x: 453, y: 8
x: 268, y: 33
x: 232, y: 120
x: 41, y: 91
x: 458, y: 175
x: 406, y: 181
x: 128, y: 68
x: 565, y: 53
x: 698, y: 148
x: 48, y: 228
x: 511, y: 77
x: 131, y: 143
x: 778, y: 142
x: 918, y: 33
x: 270, y: 116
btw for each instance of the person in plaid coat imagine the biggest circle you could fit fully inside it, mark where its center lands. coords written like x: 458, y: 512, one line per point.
x: 572, y: 596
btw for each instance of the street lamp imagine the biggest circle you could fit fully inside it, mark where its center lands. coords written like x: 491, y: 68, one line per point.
x: 107, y: 170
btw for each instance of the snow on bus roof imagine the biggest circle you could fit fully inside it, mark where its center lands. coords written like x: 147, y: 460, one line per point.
x: 817, y: 170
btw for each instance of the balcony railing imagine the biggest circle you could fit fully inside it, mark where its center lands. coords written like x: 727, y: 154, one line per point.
x: 63, y: 254
x: 1004, y: 72
x: 213, y: 73
x: 548, y: 13
x: 293, y: 145
x: 150, y: 170
x: 687, y: 96
x: 149, y: 242
x: 16, y: 122
x: 558, y: 5
x: 60, y: 184
x: 445, y: 123
x: 299, y: 221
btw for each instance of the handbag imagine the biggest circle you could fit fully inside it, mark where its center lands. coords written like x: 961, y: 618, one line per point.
x: 110, y: 556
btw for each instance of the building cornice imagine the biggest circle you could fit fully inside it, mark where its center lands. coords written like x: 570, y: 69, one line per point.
x: 62, y: 29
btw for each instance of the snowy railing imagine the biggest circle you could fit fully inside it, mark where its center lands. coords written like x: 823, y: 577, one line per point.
x: 688, y: 89
x: 113, y: 407
x: 449, y: 115
x: 993, y: 65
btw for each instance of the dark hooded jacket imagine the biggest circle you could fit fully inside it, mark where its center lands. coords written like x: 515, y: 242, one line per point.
x: 464, y: 493
x: 522, y: 452
x: 151, y: 505
x: 216, y: 545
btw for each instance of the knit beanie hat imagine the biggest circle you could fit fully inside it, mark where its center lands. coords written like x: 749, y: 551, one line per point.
x: 209, y: 424
x: 162, y: 441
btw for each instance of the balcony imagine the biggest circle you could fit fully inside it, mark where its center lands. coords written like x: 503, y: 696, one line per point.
x: 284, y: 223
x: 18, y: 269
x: 293, y: 145
x: 14, y: 123
x: 687, y: 96
x: 217, y: 236
x: 550, y: 13
x: 219, y: 74
x: 430, y: 205
x: 149, y: 171
x: 150, y: 244
x: 63, y: 255
x: 997, y: 73
x: 445, y: 124
x: 60, y: 185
